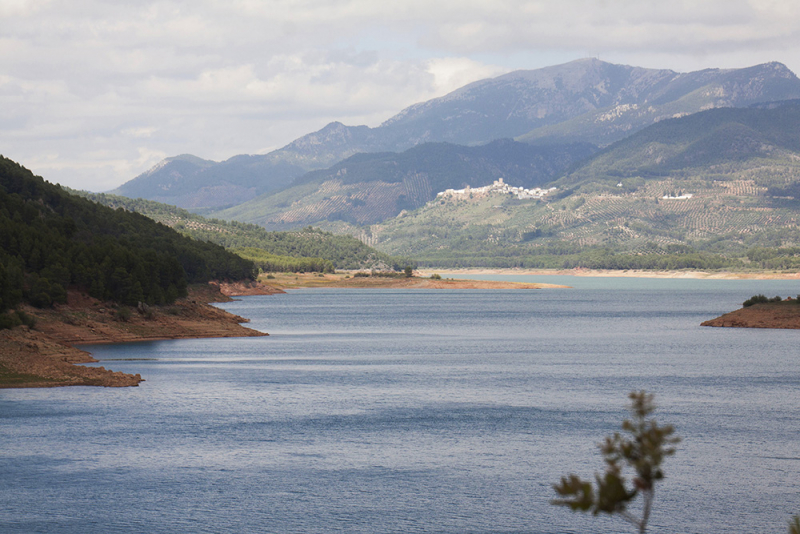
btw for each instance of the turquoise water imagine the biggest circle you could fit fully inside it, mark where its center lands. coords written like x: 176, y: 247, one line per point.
x: 784, y: 287
x: 415, y: 411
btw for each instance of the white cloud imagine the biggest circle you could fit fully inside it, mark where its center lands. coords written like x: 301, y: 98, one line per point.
x: 94, y: 92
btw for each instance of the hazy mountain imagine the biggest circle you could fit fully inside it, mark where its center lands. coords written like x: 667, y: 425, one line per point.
x: 191, y: 182
x: 586, y: 100
x: 711, y: 143
x: 368, y: 188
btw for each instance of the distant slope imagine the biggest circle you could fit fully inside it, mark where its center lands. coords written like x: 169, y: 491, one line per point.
x: 764, y: 141
x: 723, y: 182
x: 582, y: 101
x: 341, y: 251
x: 369, y: 188
x: 190, y: 182
x: 586, y: 100
x: 51, y: 241
x: 652, y: 96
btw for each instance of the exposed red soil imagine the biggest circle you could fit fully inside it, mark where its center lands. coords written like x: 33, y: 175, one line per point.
x: 784, y: 314
x: 45, y: 357
x: 240, y: 289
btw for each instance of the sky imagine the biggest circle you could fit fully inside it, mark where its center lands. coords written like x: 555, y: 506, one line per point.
x: 95, y: 92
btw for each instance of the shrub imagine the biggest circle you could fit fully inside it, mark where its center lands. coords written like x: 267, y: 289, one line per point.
x: 16, y: 318
x: 9, y: 320
x: 643, y: 449
x: 26, y: 319
x: 755, y: 299
x: 124, y: 314
x: 435, y: 276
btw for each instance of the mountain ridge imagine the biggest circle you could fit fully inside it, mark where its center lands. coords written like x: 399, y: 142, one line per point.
x: 582, y: 101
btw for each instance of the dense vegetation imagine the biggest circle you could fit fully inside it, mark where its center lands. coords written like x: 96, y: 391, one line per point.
x: 51, y: 240
x: 284, y: 264
x: 307, y: 245
x: 565, y: 256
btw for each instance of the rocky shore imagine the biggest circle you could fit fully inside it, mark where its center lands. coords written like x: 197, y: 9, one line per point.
x: 46, y: 356
x: 784, y: 314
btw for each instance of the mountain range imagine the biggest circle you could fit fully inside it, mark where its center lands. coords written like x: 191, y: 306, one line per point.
x: 723, y: 181
x: 370, y: 188
x: 639, y: 162
x: 584, y: 101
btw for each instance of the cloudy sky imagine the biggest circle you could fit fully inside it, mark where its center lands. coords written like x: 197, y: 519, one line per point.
x: 93, y: 93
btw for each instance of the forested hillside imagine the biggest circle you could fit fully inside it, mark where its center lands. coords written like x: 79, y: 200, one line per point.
x: 304, y: 249
x: 51, y: 240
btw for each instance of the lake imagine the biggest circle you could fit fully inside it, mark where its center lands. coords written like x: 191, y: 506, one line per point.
x: 449, y: 411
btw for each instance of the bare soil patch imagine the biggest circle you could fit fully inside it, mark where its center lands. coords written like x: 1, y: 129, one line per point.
x: 45, y: 357
x: 784, y: 314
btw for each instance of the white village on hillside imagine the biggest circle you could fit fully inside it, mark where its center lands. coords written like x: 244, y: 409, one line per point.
x: 499, y: 186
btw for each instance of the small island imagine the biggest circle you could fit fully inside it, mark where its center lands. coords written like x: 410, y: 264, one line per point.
x: 762, y: 312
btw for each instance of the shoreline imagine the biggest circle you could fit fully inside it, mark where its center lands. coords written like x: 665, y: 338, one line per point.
x: 628, y: 273
x: 781, y: 315
x: 47, y: 356
x: 348, y: 280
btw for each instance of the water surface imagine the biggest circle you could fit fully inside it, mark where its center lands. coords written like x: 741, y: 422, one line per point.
x: 415, y: 411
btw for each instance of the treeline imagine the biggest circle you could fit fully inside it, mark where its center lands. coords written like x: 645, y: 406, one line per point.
x: 778, y: 259
x: 592, y: 258
x: 344, y: 251
x: 284, y: 264
x: 51, y: 240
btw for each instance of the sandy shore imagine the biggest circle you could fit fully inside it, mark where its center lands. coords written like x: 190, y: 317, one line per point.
x: 625, y: 273
x: 347, y: 280
x: 45, y: 357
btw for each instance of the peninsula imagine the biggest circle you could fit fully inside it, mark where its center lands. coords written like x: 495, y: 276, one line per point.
x: 46, y: 356
x: 783, y: 314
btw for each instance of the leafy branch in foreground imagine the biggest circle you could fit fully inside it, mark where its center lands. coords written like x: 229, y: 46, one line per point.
x: 643, y: 450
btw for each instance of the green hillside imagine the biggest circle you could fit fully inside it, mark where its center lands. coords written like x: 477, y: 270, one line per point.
x: 51, y: 240
x: 369, y: 188
x: 305, y: 249
x: 711, y: 190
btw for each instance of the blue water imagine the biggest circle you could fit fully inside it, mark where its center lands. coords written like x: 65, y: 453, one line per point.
x: 416, y: 411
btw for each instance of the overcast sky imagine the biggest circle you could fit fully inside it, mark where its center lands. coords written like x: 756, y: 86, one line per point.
x: 92, y: 93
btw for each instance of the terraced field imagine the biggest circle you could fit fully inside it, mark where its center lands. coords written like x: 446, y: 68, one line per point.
x: 733, y: 215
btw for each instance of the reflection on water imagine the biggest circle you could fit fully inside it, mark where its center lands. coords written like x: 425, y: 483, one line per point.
x: 414, y: 411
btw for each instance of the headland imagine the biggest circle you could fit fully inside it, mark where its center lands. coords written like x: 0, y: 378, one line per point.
x: 46, y: 356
